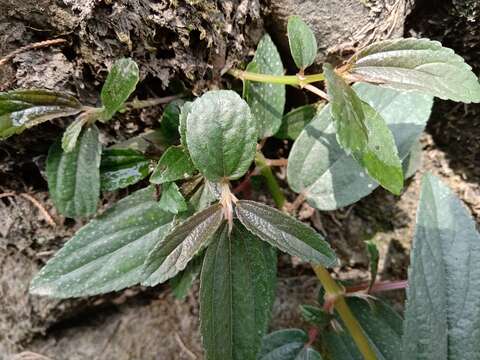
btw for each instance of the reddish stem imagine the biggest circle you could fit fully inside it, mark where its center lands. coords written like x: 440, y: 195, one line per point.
x: 312, y: 336
x: 379, y: 286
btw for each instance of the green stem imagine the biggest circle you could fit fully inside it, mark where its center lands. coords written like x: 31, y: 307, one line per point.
x: 334, y: 290
x: 272, y: 183
x: 299, y: 80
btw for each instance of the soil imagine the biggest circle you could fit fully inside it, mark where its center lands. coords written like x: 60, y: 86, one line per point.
x: 179, y: 45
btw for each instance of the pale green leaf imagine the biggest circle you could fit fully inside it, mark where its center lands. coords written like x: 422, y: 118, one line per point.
x: 328, y: 177
x: 108, y: 253
x: 266, y: 100
x: 295, y: 121
x: 175, y: 164
x: 221, y: 135
x: 121, y: 81
x: 120, y: 168
x: 285, y: 232
x: 417, y: 64
x: 442, y: 316
x: 70, y: 136
x: 172, y: 200
x: 22, y: 109
x: 182, y: 120
x: 74, y: 177
x: 172, y: 254
x: 237, y: 292
x: 303, y: 45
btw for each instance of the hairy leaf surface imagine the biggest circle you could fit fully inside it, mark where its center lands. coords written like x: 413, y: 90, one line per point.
x: 108, y: 253
x: 120, y: 83
x: 442, y: 317
x: 303, y: 45
x: 266, y: 100
x: 285, y: 232
x: 175, y: 164
x: 120, y: 168
x: 330, y: 178
x: 221, y: 135
x: 74, y: 177
x: 237, y: 292
x: 418, y: 64
x: 172, y: 253
x: 22, y: 109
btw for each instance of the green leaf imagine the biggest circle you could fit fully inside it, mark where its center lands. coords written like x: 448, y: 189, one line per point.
x: 119, y: 85
x: 413, y: 161
x: 120, y: 168
x: 417, y: 64
x: 315, y: 315
x: 183, y: 281
x: 204, y: 196
x: 170, y: 120
x: 182, y: 126
x: 108, y: 253
x: 442, y: 316
x: 237, y: 292
x: 381, y: 325
x: 303, y: 45
x: 288, y: 344
x: 266, y: 101
x: 221, y: 135
x: 74, y: 177
x: 22, y: 109
x: 71, y: 134
x: 373, y: 257
x: 172, y: 254
x: 328, y: 177
x: 295, y: 121
x: 285, y: 232
x: 172, y: 200
x: 175, y: 164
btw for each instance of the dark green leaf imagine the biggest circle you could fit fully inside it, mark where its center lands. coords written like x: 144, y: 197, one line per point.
x: 108, y: 253
x: 182, y: 126
x: 288, y: 344
x: 221, y: 135
x: 381, y: 325
x: 172, y: 254
x: 120, y: 168
x: 303, y: 45
x: 266, y: 100
x: 417, y: 64
x: 175, y: 164
x: 71, y: 134
x: 442, y: 316
x: 328, y: 177
x: 119, y: 85
x: 170, y: 120
x: 74, y: 177
x: 236, y: 294
x: 183, y: 281
x: 172, y: 200
x: 22, y: 109
x: 285, y: 232
x: 294, y: 121
x: 373, y: 257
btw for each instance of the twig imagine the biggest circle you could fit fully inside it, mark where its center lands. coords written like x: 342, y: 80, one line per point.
x: 317, y: 91
x: 276, y: 162
x: 180, y: 342
x: 48, y: 218
x: 140, y: 104
x: 37, y: 45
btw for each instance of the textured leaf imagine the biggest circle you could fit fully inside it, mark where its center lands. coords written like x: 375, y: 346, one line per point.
x: 417, y: 64
x: 22, y: 109
x: 74, y: 177
x: 175, y: 164
x: 266, y: 100
x: 221, y: 135
x: 172, y: 254
x: 237, y: 292
x: 294, y: 121
x: 183, y: 281
x: 285, y: 232
x: 442, y: 317
x: 328, y: 177
x: 119, y: 85
x: 182, y: 126
x: 170, y: 120
x: 381, y: 325
x: 108, y: 253
x: 120, y: 168
x: 288, y: 344
x: 172, y: 200
x: 204, y: 196
x: 71, y: 134
x: 303, y: 45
